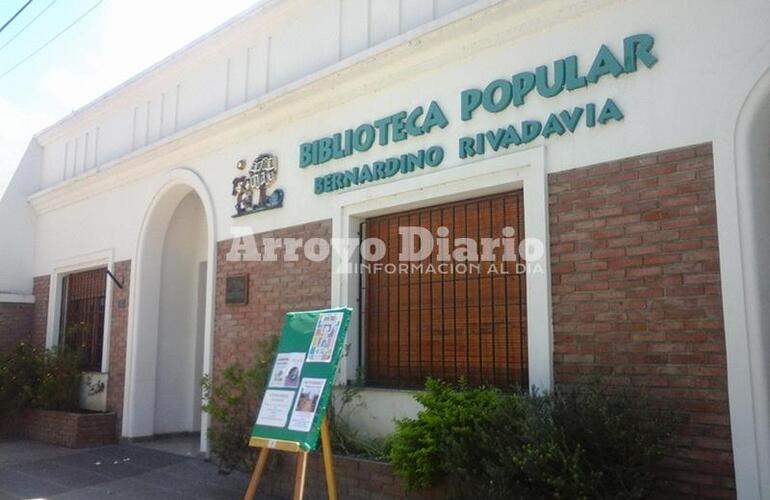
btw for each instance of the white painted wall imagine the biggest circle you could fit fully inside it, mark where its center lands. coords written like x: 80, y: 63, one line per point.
x: 372, y: 412
x: 200, y: 337
x: 179, y: 346
x: 17, y: 225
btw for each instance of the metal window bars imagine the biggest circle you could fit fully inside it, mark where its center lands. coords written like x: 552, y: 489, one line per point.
x: 82, y: 313
x: 453, y: 321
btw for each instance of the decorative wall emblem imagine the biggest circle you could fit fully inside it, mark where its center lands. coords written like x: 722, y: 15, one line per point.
x: 250, y: 190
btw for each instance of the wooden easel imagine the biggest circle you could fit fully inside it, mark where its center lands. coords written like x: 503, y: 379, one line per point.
x: 299, y: 478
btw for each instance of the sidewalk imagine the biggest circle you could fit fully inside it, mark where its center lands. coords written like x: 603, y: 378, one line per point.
x: 32, y: 470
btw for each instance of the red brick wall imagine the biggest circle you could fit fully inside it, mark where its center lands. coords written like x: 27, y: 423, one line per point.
x: 73, y: 430
x: 118, y: 332
x: 15, y: 324
x: 40, y: 289
x: 636, y: 297
x: 274, y: 289
x: 356, y: 479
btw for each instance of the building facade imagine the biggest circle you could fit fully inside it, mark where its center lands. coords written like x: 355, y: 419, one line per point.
x: 618, y: 148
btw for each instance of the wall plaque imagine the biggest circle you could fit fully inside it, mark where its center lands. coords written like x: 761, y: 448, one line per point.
x: 237, y: 289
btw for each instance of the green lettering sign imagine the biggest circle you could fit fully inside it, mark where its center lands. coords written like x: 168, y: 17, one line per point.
x: 497, y: 96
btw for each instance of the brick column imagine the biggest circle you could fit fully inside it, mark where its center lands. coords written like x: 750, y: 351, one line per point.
x: 40, y: 288
x: 118, y: 334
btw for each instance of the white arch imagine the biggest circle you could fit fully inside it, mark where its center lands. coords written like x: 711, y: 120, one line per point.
x: 747, y: 332
x: 137, y: 420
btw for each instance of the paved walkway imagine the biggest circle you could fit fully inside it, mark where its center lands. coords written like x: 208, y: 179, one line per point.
x: 33, y: 470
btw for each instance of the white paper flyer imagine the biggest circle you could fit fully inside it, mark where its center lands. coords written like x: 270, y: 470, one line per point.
x: 287, y: 369
x: 275, y: 408
x: 307, y: 404
x: 324, y: 338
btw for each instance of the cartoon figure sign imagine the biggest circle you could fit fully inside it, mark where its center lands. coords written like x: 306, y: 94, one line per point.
x: 250, y: 190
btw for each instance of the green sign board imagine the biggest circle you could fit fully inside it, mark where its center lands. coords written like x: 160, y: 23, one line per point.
x: 300, y: 384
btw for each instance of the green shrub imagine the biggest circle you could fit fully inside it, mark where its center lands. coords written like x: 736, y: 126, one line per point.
x: 232, y: 402
x: 581, y: 443
x: 18, y: 378
x: 36, y: 378
x: 618, y: 437
x: 476, y: 460
x: 419, y: 447
x: 59, y: 381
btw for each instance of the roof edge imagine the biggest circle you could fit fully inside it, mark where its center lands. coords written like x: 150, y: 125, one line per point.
x: 260, y: 7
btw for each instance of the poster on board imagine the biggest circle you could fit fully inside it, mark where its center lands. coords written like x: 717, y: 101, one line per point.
x: 324, y: 338
x: 307, y: 404
x: 299, y: 388
x: 275, y: 408
x: 286, y: 370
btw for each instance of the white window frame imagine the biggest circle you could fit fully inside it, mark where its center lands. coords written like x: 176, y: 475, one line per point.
x: 64, y: 267
x: 520, y: 170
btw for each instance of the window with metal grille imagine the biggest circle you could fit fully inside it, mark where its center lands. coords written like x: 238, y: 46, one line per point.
x: 441, y: 322
x: 82, y: 315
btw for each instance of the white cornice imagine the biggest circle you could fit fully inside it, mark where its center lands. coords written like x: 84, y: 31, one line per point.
x: 432, y: 45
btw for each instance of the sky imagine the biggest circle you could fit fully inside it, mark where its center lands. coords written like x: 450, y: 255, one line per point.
x: 115, y: 41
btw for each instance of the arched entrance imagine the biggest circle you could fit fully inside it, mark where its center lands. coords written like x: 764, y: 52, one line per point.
x: 741, y: 174
x: 170, y: 324
x: 752, y: 178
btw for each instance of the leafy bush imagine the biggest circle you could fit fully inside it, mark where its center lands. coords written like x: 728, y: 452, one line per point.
x: 419, y: 450
x: 580, y: 443
x: 232, y: 402
x: 618, y: 438
x: 18, y: 379
x: 59, y: 381
x: 41, y: 379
